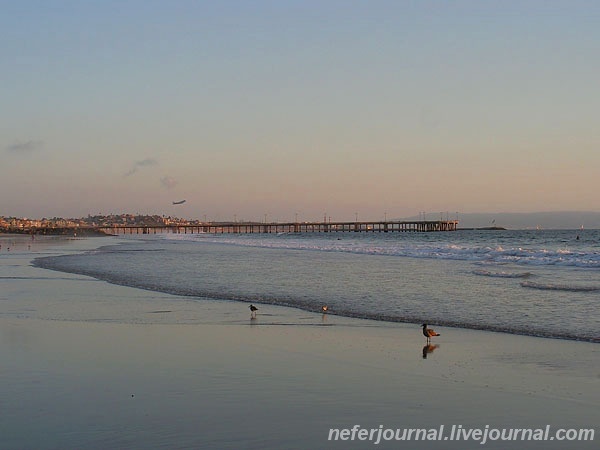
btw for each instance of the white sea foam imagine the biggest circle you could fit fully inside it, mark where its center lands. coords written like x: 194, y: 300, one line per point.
x: 502, y: 274
x: 477, y: 252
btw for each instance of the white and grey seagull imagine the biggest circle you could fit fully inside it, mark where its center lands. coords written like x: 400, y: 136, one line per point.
x: 428, y: 333
x: 253, y: 309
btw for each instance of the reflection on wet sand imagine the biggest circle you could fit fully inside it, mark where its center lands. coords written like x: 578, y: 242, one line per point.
x: 429, y: 348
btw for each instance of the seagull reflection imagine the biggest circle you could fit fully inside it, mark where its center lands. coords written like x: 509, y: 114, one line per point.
x: 324, y: 310
x: 429, y: 348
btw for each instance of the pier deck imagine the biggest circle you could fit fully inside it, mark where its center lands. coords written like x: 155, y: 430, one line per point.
x: 291, y: 227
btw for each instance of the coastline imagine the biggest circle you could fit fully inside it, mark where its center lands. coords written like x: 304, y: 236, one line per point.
x: 87, y: 232
x: 153, y: 379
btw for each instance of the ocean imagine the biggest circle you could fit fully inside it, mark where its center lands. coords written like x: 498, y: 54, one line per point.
x: 542, y: 283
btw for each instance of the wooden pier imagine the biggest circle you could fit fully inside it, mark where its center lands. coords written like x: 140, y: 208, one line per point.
x: 292, y: 227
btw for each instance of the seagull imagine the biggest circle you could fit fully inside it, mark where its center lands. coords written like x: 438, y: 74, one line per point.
x: 428, y: 332
x: 253, y: 309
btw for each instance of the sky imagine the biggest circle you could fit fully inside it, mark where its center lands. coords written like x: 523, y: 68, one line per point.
x: 285, y: 110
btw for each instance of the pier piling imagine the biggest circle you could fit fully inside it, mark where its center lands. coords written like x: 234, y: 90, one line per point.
x: 288, y: 227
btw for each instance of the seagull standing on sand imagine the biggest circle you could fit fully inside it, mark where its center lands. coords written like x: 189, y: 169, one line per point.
x: 253, y: 309
x: 428, y: 332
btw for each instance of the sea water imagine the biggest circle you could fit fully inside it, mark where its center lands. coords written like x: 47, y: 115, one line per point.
x: 533, y: 282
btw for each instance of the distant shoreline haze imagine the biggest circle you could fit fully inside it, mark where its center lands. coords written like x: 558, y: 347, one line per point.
x: 565, y: 220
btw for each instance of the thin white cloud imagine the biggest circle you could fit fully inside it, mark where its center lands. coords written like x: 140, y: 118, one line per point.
x: 25, y: 147
x: 168, y: 182
x: 141, y: 164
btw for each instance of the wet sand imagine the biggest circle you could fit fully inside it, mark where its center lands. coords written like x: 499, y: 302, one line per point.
x: 91, y: 365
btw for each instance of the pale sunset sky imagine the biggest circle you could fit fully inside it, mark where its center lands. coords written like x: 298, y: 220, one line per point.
x: 307, y: 108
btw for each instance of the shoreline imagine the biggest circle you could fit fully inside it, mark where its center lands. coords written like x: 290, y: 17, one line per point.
x: 131, y: 369
x: 81, y: 232
x: 486, y: 327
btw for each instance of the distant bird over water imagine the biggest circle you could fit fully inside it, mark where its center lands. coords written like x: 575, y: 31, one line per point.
x: 428, y: 332
x: 324, y: 309
x: 253, y: 309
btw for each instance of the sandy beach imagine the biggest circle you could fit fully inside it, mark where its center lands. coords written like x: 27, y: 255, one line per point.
x: 91, y: 365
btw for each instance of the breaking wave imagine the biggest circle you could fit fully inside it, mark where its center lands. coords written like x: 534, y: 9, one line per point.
x: 559, y: 287
x: 463, y: 251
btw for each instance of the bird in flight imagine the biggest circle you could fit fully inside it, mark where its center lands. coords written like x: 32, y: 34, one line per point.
x: 181, y: 202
